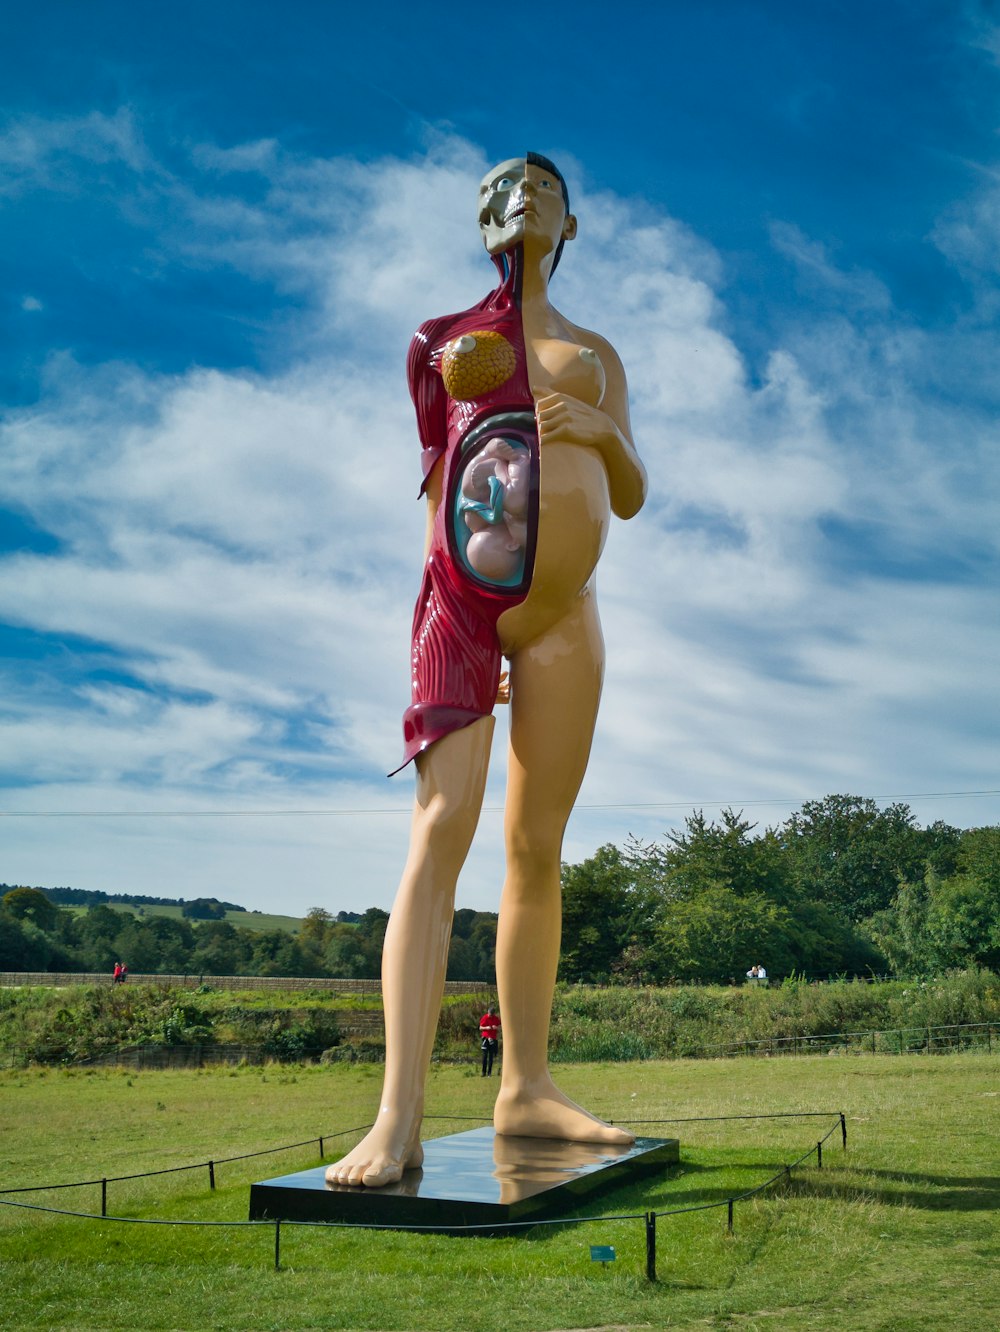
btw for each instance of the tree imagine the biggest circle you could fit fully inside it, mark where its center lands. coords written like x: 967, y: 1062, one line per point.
x: 99, y: 930
x: 276, y: 953
x: 463, y: 960
x: 979, y: 855
x: 31, y: 904
x: 157, y: 945
x: 941, y: 843
x: 594, y: 897
x: 204, y: 908
x: 851, y: 855
x: 316, y: 927
x: 484, y: 939
x: 314, y: 935
x: 725, y: 855
x: 345, y: 955
x: 220, y: 949
x: 23, y: 946
x: 610, y: 905
x: 936, y: 923
x: 137, y: 946
x: 717, y: 933
x: 371, y: 935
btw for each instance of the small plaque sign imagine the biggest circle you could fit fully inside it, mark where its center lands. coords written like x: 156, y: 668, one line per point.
x: 602, y: 1253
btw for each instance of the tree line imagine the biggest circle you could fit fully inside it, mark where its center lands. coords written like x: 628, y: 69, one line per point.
x: 37, y: 934
x: 93, y: 896
x: 841, y: 887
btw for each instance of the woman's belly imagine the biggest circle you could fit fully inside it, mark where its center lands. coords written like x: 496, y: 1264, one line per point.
x: 574, y: 511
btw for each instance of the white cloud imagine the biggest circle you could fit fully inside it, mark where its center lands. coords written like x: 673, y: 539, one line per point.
x: 854, y: 289
x: 244, y: 549
x: 968, y: 235
x: 57, y: 154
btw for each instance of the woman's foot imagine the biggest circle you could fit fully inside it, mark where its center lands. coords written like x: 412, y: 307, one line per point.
x: 542, y: 1111
x: 379, y: 1158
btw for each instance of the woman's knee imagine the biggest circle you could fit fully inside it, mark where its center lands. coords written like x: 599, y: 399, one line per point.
x: 534, y: 852
x: 447, y: 821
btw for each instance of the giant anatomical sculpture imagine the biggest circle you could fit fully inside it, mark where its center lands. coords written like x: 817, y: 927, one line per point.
x: 523, y: 422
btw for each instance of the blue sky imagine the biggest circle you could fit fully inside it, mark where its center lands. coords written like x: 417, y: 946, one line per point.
x: 219, y: 225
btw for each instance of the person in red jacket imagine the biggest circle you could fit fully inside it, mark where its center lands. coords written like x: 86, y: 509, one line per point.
x: 489, y: 1030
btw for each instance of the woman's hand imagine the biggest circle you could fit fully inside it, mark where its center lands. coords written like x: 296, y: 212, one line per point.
x: 503, y: 687
x: 565, y: 420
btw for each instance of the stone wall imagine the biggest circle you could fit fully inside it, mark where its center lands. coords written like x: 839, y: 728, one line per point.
x: 60, y: 978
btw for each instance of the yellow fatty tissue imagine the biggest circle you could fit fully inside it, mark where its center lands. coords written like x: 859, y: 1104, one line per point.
x: 476, y: 363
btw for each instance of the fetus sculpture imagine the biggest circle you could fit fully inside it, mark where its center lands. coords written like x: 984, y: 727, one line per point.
x: 527, y: 452
x: 495, y: 507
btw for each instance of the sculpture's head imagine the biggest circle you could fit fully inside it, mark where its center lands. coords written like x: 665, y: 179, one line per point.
x: 526, y: 199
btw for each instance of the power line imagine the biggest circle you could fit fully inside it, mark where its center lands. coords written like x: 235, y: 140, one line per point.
x: 407, y: 809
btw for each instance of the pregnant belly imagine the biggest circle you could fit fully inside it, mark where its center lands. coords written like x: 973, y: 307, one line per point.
x: 574, y: 512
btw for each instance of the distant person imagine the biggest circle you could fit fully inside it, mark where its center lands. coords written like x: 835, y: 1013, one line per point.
x: 761, y: 973
x: 754, y: 972
x: 123, y: 976
x: 489, y: 1030
x: 117, y: 974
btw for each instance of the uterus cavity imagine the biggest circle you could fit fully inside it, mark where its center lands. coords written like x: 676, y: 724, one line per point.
x: 494, y: 506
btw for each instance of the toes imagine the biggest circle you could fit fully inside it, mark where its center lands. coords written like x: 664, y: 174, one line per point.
x: 369, y: 1174
x: 620, y: 1137
x: 377, y: 1176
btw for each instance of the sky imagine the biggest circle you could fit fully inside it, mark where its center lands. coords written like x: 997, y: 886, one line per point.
x: 220, y: 225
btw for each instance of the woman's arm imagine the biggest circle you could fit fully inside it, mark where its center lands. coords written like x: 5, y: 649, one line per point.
x: 566, y: 420
x: 432, y: 493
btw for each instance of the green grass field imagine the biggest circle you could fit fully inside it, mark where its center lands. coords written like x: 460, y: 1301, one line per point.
x: 258, y: 921
x: 902, y: 1232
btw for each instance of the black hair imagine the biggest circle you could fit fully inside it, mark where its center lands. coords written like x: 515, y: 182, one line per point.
x: 546, y: 163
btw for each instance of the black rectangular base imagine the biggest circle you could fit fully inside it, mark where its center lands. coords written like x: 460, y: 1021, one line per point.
x: 476, y: 1178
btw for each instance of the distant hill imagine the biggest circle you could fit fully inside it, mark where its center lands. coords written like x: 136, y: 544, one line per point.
x: 95, y: 897
x: 259, y: 922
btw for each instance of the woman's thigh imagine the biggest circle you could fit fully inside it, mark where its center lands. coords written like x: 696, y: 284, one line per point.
x: 555, y: 691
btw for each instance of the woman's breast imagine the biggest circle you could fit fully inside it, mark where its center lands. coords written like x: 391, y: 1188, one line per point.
x: 557, y: 366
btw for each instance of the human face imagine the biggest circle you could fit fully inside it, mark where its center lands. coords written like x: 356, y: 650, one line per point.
x: 518, y: 201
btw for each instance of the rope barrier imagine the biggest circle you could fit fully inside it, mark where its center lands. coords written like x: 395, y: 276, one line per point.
x: 648, y: 1218
x: 197, y: 1165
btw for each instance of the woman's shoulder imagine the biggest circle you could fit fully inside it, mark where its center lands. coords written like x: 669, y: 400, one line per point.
x: 586, y: 337
x: 433, y: 333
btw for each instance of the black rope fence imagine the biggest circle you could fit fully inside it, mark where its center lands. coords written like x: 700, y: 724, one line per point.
x: 885, y: 1040
x: 647, y: 1217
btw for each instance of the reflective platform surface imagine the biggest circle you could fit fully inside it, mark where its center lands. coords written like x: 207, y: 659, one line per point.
x: 476, y: 1178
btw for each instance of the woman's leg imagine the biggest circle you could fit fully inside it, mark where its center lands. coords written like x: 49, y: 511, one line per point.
x: 451, y: 778
x: 555, y: 690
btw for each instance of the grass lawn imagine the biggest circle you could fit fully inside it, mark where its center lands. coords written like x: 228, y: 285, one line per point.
x: 902, y: 1232
x: 258, y: 921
